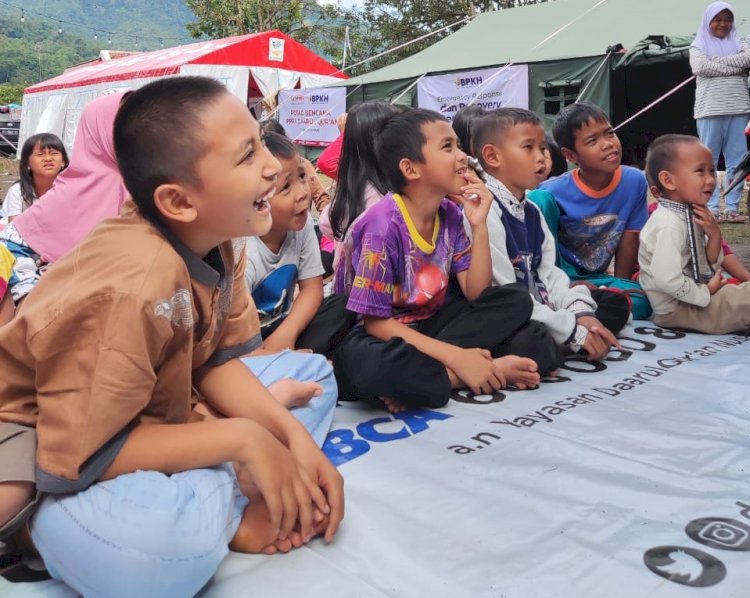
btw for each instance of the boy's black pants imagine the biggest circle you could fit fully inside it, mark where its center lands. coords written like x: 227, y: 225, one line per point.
x: 613, y: 309
x: 498, y: 320
x: 327, y: 328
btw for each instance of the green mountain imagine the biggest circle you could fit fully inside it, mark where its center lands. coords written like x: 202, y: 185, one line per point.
x: 40, y: 39
x: 125, y: 22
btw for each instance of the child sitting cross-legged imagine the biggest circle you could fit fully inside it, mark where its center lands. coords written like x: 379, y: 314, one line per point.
x: 597, y: 210
x: 512, y: 148
x: 413, y: 346
x: 288, y: 256
x: 680, y: 249
x: 110, y: 351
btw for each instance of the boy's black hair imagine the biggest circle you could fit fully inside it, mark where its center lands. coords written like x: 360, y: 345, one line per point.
x: 462, y: 125
x: 572, y: 118
x: 402, y: 138
x: 559, y: 163
x: 661, y: 156
x: 158, y: 135
x: 271, y: 125
x: 495, y: 122
x: 26, y: 180
x: 280, y: 146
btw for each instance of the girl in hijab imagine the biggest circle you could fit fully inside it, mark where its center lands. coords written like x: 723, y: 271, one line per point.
x: 721, y: 60
x: 87, y: 192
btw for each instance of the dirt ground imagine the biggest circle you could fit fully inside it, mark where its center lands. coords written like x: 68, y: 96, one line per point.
x: 737, y: 235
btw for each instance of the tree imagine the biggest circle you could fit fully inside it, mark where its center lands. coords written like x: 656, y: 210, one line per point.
x: 304, y: 20
x: 386, y: 24
x: 11, y: 93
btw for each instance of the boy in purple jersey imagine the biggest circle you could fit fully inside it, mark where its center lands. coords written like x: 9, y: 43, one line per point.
x: 412, y: 347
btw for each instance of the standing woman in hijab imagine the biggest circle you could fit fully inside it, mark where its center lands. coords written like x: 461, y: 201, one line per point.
x: 87, y: 192
x: 720, y: 61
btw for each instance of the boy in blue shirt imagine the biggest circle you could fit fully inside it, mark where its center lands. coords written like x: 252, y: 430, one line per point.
x: 597, y: 210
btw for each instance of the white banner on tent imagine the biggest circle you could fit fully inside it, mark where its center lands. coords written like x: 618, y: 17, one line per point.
x: 449, y: 93
x: 309, y: 115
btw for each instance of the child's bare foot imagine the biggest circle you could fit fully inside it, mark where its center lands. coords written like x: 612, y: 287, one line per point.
x: 293, y: 393
x: 256, y: 534
x: 521, y: 372
x: 393, y: 405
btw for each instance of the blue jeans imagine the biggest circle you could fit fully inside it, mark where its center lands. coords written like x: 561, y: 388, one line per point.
x: 149, y: 534
x: 725, y: 134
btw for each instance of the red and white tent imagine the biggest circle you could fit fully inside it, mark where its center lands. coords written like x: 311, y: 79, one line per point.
x: 251, y: 66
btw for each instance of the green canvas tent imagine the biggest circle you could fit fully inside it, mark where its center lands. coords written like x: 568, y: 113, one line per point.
x: 570, y: 47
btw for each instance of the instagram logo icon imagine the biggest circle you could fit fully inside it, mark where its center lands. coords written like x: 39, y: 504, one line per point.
x: 721, y: 533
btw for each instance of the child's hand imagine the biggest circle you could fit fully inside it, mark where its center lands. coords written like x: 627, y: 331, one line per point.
x: 263, y: 462
x: 475, y: 368
x: 599, y: 340
x: 475, y: 198
x: 716, y: 282
x: 703, y: 216
x: 326, y: 477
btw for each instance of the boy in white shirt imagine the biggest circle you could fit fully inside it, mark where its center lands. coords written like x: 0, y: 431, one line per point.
x: 511, y: 146
x: 680, y: 262
x: 289, y: 256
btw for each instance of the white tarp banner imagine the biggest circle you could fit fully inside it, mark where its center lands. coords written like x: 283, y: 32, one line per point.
x: 623, y: 479
x: 490, y: 88
x: 309, y: 115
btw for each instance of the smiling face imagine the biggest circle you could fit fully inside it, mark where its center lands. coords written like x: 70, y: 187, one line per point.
x: 45, y: 162
x: 597, y: 148
x: 721, y: 25
x: 290, y: 205
x: 519, y: 160
x: 444, y: 164
x: 691, y: 177
x: 237, y: 174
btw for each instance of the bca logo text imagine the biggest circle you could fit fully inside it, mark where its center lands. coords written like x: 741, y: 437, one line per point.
x: 694, y: 567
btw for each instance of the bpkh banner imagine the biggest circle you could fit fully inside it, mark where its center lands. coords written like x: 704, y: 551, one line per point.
x: 309, y: 115
x: 490, y: 88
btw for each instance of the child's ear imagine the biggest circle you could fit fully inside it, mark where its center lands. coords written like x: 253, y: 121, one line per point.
x: 569, y: 155
x: 491, y: 156
x: 666, y: 180
x: 408, y: 169
x: 174, y: 203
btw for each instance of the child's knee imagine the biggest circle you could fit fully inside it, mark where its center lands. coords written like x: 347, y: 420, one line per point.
x: 14, y: 496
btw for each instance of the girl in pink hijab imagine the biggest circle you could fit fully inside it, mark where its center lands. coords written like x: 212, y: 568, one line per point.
x: 87, y: 192
x: 720, y: 60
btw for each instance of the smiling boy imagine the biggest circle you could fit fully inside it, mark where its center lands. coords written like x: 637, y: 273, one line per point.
x: 682, y: 169
x: 413, y: 346
x: 287, y: 257
x: 106, y: 352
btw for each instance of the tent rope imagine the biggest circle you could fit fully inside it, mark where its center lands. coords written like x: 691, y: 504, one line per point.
x: 536, y: 47
x: 593, y: 77
x: 417, y: 39
x: 656, y: 101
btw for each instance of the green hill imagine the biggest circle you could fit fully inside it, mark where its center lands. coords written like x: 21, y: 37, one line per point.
x: 34, y: 49
x: 152, y: 22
